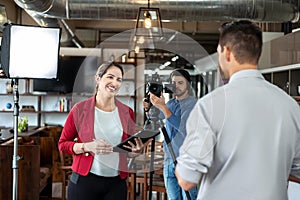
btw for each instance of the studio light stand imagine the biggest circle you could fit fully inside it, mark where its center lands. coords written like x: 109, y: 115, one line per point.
x: 41, y: 62
x: 16, y: 157
x: 152, y: 123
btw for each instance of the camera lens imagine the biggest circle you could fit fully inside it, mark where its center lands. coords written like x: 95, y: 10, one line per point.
x: 155, y: 88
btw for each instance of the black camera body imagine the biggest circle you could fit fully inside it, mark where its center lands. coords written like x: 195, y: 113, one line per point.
x: 156, y: 87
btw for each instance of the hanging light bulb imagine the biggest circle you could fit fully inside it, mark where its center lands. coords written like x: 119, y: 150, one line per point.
x: 137, y: 49
x: 148, y: 21
x: 141, y: 40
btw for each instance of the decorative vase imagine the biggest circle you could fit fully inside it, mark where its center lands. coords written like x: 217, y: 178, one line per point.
x: 9, y: 88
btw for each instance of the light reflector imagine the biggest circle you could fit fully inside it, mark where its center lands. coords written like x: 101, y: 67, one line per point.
x: 30, y: 51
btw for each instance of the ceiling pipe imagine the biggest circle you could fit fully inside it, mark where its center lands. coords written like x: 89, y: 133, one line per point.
x: 171, y: 10
x: 71, y: 34
x: 68, y: 37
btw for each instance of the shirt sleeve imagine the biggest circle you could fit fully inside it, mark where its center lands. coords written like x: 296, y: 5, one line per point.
x: 196, y: 153
x: 69, y: 132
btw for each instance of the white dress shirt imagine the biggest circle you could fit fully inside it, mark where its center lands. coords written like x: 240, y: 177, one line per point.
x: 244, y: 138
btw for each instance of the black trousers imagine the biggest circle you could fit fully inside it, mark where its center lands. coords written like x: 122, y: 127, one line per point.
x: 93, y: 187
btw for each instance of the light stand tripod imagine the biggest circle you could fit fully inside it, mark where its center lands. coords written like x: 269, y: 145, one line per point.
x: 152, y: 123
x: 155, y: 123
x: 16, y: 157
x: 18, y: 61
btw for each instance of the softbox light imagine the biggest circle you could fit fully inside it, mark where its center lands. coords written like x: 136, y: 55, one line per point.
x: 30, y: 51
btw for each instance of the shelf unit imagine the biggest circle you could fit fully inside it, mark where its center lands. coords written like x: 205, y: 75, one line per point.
x: 286, y: 77
x: 43, y: 104
x: 47, y: 105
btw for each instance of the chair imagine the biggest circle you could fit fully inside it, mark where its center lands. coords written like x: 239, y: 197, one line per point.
x: 34, y: 169
x: 158, y: 184
x: 66, y: 163
x: 139, y: 173
x: 136, y: 176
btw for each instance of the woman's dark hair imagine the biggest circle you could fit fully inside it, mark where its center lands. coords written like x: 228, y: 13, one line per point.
x: 102, y: 69
x: 244, y: 38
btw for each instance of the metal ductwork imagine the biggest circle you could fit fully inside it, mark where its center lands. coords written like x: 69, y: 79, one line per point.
x: 171, y: 10
x: 52, y: 13
x: 68, y: 38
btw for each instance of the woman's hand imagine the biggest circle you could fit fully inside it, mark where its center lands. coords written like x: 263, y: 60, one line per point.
x: 99, y: 146
x: 138, y: 148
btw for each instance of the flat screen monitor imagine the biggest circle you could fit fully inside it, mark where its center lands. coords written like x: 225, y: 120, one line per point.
x: 30, y: 51
x: 68, y: 67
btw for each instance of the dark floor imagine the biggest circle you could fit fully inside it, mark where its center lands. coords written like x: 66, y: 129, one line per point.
x: 56, y: 192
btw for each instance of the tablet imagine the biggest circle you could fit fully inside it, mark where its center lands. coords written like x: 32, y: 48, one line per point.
x: 145, y: 135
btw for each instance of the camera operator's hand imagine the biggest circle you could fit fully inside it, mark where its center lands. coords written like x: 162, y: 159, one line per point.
x: 146, y: 104
x: 159, y: 102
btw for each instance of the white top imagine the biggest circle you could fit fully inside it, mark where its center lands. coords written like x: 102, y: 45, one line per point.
x: 245, y: 138
x: 107, y: 126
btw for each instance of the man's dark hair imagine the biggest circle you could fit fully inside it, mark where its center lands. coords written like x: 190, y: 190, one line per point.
x: 187, y: 76
x: 181, y: 72
x: 244, y: 38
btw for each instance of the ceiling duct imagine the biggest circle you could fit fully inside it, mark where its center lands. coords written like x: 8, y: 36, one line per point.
x: 68, y: 38
x: 171, y: 10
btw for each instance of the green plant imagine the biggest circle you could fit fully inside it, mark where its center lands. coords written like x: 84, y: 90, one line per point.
x: 23, y: 124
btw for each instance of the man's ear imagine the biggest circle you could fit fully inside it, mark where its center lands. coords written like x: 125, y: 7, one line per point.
x: 227, y: 52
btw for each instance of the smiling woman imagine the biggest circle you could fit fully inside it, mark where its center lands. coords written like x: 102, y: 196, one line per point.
x: 99, y: 123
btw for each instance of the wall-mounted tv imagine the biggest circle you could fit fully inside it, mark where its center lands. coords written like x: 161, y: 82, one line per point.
x: 68, y: 67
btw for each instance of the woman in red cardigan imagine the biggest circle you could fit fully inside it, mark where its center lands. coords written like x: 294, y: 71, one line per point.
x: 97, y: 124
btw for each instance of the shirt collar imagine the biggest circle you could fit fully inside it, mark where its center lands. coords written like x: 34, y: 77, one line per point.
x: 182, y: 100
x: 246, y: 74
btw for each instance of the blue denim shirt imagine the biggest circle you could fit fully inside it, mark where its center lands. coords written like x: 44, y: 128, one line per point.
x: 176, y: 123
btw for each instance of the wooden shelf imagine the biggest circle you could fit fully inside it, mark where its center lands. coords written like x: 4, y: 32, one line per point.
x: 49, y: 103
x: 37, y: 95
x: 53, y: 112
x: 288, y: 79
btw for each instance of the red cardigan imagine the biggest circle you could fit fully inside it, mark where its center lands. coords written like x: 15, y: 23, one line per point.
x: 80, y: 124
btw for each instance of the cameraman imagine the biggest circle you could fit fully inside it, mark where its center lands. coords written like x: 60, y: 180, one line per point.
x: 176, y: 112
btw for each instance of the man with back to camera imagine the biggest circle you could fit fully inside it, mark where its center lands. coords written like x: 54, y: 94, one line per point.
x: 244, y: 137
x: 176, y: 112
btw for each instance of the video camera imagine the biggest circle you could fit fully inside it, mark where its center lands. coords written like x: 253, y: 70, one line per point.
x: 156, y: 87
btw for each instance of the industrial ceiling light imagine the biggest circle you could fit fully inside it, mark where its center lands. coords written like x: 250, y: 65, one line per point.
x: 148, y: 23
